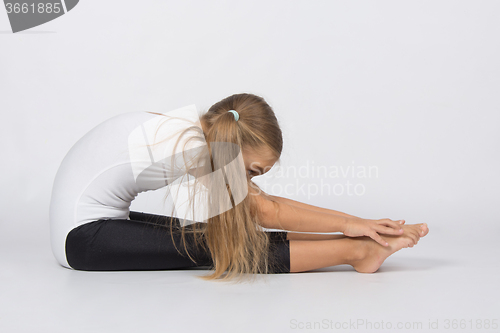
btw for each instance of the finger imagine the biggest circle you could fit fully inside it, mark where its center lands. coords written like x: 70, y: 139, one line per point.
x: 400, y: 229
x: 389, y: 231
x: 376, y: 237
x: 391, y: 224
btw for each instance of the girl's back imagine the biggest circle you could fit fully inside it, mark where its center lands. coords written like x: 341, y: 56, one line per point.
x: 114, y: 162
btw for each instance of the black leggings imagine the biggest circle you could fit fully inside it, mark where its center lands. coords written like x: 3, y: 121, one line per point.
x: 145, y: 243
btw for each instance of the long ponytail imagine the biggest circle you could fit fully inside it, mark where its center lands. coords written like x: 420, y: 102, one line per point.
x: 235, y: 239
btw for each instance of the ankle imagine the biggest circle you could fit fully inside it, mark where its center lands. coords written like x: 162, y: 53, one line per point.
x: 359, y: 250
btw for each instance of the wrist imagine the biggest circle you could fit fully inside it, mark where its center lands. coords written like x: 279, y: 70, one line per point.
x: 343, y: 224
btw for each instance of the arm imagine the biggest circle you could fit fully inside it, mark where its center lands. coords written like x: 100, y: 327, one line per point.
x: 307, y: 236
x: 280, y: 215
x: 310, y: 207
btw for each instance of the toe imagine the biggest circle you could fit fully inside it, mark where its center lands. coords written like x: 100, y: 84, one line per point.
x: 424, y: 230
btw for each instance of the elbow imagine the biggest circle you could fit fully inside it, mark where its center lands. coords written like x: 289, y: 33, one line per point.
x: 267, y: 212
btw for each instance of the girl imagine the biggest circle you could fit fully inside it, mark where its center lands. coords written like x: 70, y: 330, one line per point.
x: 215, y: 156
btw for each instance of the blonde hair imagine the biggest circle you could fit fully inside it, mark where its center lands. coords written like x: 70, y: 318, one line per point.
x: 234, y: 237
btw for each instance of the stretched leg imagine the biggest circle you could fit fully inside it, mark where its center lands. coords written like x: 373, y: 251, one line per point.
x: 111, y: 245
x: 279, y: 250
x: 364, y: 254
x: 145, y: 243
x: 306, y: 255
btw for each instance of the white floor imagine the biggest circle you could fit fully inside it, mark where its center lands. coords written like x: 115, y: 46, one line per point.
x: 445, y: 280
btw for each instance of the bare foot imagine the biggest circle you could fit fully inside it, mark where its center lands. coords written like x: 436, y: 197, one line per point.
x: 375, y: 254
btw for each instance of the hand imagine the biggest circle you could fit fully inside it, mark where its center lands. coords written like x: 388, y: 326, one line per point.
x: 357, y: 227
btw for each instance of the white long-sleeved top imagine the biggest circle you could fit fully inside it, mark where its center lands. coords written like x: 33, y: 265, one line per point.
x: 114, y: 162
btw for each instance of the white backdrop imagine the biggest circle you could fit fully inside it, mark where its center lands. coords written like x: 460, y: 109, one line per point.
x: 410, y: 87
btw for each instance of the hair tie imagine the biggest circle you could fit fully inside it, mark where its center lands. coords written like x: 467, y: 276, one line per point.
x: 235, y: 114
